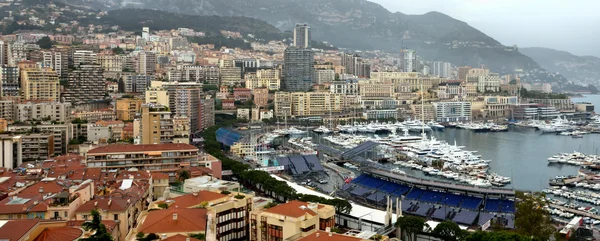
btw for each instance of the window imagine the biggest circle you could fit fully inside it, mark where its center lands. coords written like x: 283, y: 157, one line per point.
x: 85, y: 217
x: 115, y: 217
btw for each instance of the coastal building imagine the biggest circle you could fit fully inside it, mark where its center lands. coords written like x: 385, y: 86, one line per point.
x: 484, y: 80
x: 565, y: 104
x: 260, y: 96
x: 40, y: 84
x: 404, y: 81
x: 135, y: 83
x: 263, y: 79
x: 298, y: 70
x: 452, y: 111
x: 323, y: 76
x: 499, y: 106
x: 371, y: 90
x: 423, y: 113
x: 10, y: 81
x: 442, y: 69
x: 299, y: 219
x: 307, y: 103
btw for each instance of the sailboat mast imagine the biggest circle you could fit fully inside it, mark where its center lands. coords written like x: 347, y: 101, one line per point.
x: 422, y: 111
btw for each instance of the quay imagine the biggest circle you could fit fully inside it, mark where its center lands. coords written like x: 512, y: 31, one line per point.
x: 575, y: 211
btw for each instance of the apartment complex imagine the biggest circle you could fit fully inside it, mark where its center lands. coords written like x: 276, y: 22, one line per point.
x: 128, y: 108
x: 11, y: 151
x: 355, y: 65
x: 85, y: 85
x: 302, y: 36
x: 300, y: 104
x: 135, y: 83
x: 111, y: 63
x: 40, y: 84
x: 10, y: 81
x: 291, y: 220
x: 298, y: 69
x: 452, y: 111
x: 49, y: 111
x: 263, y: 79
x: 153, y: 157
x: 156, y: 124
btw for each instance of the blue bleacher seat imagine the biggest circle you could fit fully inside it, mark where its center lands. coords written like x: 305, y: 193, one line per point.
x: 360, y: 191
x: 372, y: 182
x: 431, y: 196
x: 471, y: 202
x: 452, y: 200
x: 414, y: 194
x: 507, y: 206
x: 401, y: 191
x: 423, y: 210
x: 390, y: 187
x: 465, y: 217
x: 492, y: 205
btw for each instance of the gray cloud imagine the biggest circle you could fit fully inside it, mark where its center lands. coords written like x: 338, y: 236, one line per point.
x: 558, y: 24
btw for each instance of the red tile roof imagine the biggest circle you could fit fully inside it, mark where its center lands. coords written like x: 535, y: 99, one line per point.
x: 322, y: 235
x: 191, y: 200
x: 109, y: 224
x: 59, y: 234
x: 180, y: 237
x: 93, y: 173
x: 159, y: 175
x: 28, y: 201
x: 189, y: 220
x: 43, y: 188
x: 117, y: 204
x: 291, y: 209
x: 117, y: 148
x: 15, y: 229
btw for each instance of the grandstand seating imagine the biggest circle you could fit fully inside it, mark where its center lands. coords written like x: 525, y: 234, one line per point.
x: 423, y: 209
x: 377, y: 197
x: 415, y: 194
x: 465, y: 217
x: 360, y: 191
x: 507, y: 206
x: 401, y: 191
x: 431, y: 196
x: 452, y: 200
x: 471, y: 202
x: 390, y: 187
x: 484, y: 217
x: 372, y: 182
x: 442, y: 213
x: 492, y: 205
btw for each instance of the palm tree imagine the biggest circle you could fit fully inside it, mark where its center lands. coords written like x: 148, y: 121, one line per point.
x: 183, y: 174
x: 96, y: 225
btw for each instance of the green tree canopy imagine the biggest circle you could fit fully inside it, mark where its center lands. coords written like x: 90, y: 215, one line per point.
x: 531, y: 219
x: 497, y: 236
x: 45, y: 42
x: 183, y: 174
x: 448, y: 231
x: 101, y: 234
x: 411, y: 225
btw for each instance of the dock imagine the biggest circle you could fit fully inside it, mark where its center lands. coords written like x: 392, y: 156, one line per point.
x: 575, y: 211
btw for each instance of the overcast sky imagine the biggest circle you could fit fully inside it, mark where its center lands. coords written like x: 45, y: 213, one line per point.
x: 570, y: 25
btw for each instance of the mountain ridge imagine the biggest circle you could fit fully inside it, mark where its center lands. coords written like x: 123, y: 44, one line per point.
x: 579, y: 69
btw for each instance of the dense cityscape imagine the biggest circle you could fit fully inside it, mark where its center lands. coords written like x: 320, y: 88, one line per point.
x: 114, y: 133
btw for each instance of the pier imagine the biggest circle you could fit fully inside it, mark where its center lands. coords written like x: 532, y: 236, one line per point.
x: 575, y: 211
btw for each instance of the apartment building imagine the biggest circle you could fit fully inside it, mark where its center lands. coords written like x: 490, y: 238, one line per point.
x: 111, y: 63
x: 40, y: 146
x: 345, y: 87
x: 201, y: 74
x: 40, y: 84
x: 206, y: 112
x: 291, y: 220
x: 484, y: 79
x: 156, y: 124
x: 10, y: 81
x: 135, y: 83
x: 424, y: 112
x: 299, y: 71
x: 370, y: 90
x: 452, y: 111
x: 146, y: 63
x: 157, y: 95
x: 128, y: 108
x: 308, y: 103
x: 270, y: 81
x: 123, y: 210
x: 499, y: 106
x: 402, y: 80
x: 7, y: 109
x: 324, y: 76
x: 11, y: 149
x: 153, y: 157
x: 230, y: 74
x: 48, y: 111
x: 260, y: 96
x: 85, y: 85
x: 93, y: 116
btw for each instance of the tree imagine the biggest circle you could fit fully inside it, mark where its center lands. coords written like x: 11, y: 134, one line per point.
x: 149, y: 237
x: 183, y: 174
x: 410, y: 225
x: 448, y: 231
x: 118, y: 50
x: 96, y: 225
x: 496, y: 236
x: 45, y: 42
x: 163, y: 205
x: 200, y: 236
x: 531, y: 219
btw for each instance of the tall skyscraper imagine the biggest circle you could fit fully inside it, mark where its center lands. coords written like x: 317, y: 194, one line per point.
x: 299, y: 68
x: 10, y: 81
x: 146, y: 33
x: 442, y: 69
x: 302, y: 35
x: 409, y: 60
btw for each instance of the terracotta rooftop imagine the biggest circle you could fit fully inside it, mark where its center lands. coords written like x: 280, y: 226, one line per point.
x: 59, y: 234
x: 180, y: 237
x: 109, y: 224
x: 293, y: 208
x: 116, y: 204
x: 182, y: 220
x: 322, y: 235
x: 15, y: 229
x: 115, y: 148
x: 191, y: 200
x: 44, y: 187
x: 160, y: 175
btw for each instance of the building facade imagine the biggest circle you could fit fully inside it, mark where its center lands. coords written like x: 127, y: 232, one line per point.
x: 452, y: 111
x: 85, y: 85
x: 299, y: 69
x: 40, y: 84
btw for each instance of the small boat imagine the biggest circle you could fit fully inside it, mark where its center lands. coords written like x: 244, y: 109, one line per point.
x: 577, y: 136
